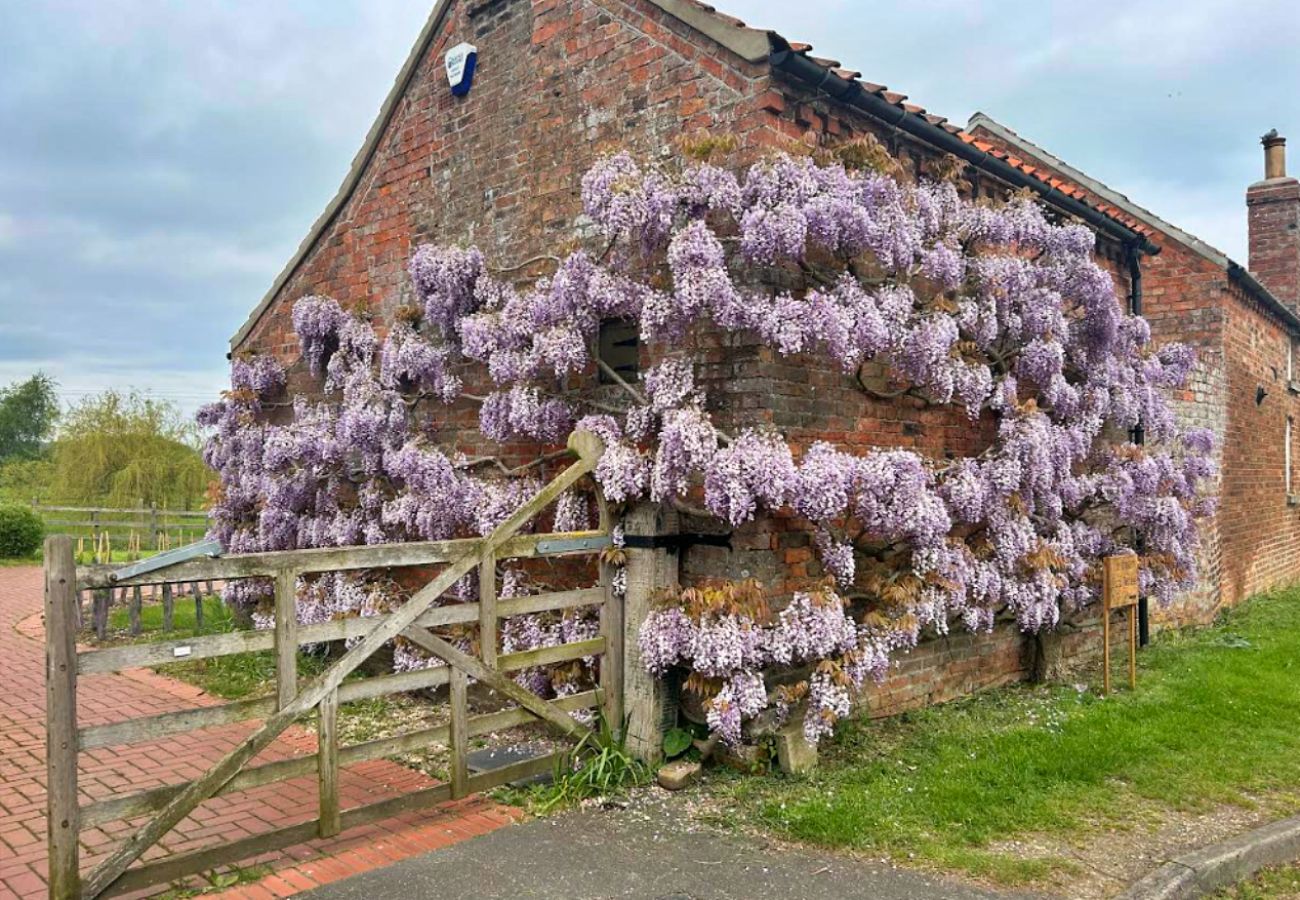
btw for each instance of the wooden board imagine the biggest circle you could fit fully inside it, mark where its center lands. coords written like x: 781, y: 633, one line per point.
x: 1120, y: 581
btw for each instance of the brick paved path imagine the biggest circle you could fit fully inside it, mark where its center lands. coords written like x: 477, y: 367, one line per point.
x: 105, y: 698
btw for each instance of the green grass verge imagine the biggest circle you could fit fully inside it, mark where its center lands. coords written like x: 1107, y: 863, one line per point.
x: 233, y: 677
x: 1271, y: 884
x: 1215, y: 719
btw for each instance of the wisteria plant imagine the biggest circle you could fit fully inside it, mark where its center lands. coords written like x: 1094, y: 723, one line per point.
x: 991, y: 308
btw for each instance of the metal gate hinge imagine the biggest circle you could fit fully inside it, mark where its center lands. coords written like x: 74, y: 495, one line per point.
x: 675, y: 542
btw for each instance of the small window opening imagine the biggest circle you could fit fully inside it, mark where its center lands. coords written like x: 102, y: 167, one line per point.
x: 620, y: 349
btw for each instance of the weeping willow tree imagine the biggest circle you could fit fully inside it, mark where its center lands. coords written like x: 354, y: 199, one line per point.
x: 123, y: 449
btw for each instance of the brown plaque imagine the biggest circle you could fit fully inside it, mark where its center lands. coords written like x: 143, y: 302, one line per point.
x: 1120, y: 582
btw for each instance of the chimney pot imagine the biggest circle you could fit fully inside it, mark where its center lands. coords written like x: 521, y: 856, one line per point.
x: 1274, y: 155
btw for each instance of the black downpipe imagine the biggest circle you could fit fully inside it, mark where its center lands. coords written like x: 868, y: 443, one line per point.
x: 1139, y: 435
x: 851, y: 92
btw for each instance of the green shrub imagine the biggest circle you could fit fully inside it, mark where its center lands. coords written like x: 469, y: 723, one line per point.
x: 21, y: 532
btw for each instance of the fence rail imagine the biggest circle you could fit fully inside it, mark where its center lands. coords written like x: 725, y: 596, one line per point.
x: 161, y: 525
x: 320, y: 698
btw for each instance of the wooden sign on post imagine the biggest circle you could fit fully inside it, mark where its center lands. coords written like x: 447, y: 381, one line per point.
x: 1119, y: 588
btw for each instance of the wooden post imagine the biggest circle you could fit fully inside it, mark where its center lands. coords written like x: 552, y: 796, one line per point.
x: 1132, y: 648
x: 1105, y: 650
x: 611, y: 664
x: 649, y: 571
x: 137, y: 598
x: 459, y: 738
x: 487, y: 609
x: 153, y: 524
x: 327, y: 739
x: 198, y: 606
x: 168, y: 607
x: 286, y: 637
x: 64, y: 814
x: 103, y: 597
x: 1119, y: 590
x: 94, y: 530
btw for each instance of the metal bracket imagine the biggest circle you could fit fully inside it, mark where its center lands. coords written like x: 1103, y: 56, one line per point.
x: 210, y: 549
x: 675, y: 542
x: 573, y: 545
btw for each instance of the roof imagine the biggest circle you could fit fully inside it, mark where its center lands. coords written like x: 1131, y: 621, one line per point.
x: 1152, y: 222
x: 743, y: 39
x: 754, y: 45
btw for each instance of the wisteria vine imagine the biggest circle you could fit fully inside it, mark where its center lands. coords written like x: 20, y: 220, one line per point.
x: 991, y: 308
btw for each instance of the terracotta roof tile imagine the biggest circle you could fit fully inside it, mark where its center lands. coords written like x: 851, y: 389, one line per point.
x: 899, y: 100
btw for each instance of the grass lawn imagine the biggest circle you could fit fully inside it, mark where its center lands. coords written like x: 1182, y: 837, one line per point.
x: 233, y: 677
x: 1282, y: 883
x: 1215, y: 719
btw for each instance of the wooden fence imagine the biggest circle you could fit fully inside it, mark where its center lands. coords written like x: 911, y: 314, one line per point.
x: 101, y: 601
x: 292, y: 702
x: 164, y: 527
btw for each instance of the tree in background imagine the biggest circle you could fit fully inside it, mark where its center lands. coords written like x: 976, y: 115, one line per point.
x: 28, y: 412
x: 124, y: 449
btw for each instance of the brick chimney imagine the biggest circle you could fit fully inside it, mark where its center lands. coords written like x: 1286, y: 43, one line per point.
x: 1273, y: 212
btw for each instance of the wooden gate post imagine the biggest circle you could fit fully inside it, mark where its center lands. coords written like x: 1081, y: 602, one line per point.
x: 650, y: 570
x: 63, y: 821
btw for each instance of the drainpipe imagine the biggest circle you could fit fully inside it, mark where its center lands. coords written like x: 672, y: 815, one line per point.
x: 1138, y: 435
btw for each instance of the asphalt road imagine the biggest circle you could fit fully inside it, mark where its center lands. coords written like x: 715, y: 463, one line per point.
x: 637, y: 853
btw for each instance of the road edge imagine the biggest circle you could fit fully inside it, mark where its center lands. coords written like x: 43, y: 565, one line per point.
x: 1208, y: 869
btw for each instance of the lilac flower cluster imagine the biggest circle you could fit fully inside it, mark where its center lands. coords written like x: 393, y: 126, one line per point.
x: 991, y: 308
x: 734, y: 649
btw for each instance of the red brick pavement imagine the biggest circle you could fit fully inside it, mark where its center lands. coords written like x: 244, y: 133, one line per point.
x: 109, y: 770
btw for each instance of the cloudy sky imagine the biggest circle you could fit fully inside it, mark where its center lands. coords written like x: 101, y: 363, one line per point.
x: 161, y: 159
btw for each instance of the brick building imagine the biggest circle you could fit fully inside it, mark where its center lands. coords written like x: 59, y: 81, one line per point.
x: 559, y: 82
x: 1244, y: 327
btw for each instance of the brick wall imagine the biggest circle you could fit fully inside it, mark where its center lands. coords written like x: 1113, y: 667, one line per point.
x: 1273, y: 216
x: 1260, y: 527
x: 560, y: 82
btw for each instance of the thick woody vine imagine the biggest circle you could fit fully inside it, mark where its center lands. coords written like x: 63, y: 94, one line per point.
x: 991, y: 308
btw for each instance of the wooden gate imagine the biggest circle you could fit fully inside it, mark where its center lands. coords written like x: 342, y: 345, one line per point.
x: 172, y: 803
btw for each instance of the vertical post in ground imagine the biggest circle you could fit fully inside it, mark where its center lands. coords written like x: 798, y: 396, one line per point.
x: 650, y: 570
x: 169, y: 607
x: 459, y: 696
x: 1132, y: 647
x: 1105, y: 650
x: 63, y: 821
x: 103, y: 597
x: 198, y: 606
x: 137, y: 601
